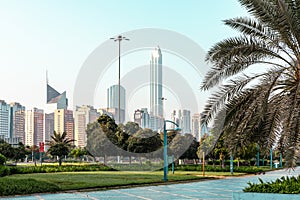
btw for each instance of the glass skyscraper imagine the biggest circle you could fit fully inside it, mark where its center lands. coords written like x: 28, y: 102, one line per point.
x: 113, y: 102
x: 156, y: 108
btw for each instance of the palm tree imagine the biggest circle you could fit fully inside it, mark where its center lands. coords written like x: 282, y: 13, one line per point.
x: 262, y: 107
x: 60, y: 146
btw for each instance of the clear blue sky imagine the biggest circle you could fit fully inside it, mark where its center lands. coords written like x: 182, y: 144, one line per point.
x: 59, y: 35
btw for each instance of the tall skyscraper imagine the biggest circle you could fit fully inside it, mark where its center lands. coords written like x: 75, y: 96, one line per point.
x: 17, y: 121
x: 64, y: 122
x: 156, y: 105
x: 196, y: 126
x: 34, y: 126
x: 4, y: 120
x: 141, y: 117
x: 113, y: 102
x: 83, y: 116
x: 156, y: 108
x: 49, y: 126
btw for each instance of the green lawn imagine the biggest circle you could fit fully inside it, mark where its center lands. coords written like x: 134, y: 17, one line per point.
x: 100, y: 179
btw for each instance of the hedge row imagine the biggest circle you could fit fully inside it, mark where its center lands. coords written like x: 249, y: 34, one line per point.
x: 210, y: 168
x: 25, y: 186
x: 8, y: 170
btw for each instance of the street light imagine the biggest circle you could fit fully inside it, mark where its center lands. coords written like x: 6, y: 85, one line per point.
x: 119, y: 39
x: 166, y: 147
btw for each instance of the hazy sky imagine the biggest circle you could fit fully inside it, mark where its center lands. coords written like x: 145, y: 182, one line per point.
x: 59, y: 35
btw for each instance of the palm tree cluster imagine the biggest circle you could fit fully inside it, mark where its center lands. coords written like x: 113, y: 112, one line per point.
x: 261, y: 107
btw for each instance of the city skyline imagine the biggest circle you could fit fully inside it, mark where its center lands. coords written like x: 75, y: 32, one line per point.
x: 41, y: 41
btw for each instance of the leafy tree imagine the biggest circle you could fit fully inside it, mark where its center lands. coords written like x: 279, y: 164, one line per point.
x: 59, y: 146
x: 98, y: 143
x: 262, y: 108
x: 144, y: 141
x: 131, y: 128
x: 191, y: 152
x: 6, y: 149
x: 2, y: 159
x: 20, y: 152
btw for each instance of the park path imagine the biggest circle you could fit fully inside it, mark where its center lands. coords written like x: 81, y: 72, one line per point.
x: 211, y: 189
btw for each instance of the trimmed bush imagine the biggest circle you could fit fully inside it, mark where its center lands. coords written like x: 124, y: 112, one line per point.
x: 210, y: 168
x: 284, y: 185
x: 7, y: 170
x: 25, y: 186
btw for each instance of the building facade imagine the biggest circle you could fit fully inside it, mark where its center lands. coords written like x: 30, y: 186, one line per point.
x: 183, y: 119
x: 196, y: 126
x: 156, y: 98
x: 113, y: 102
x: 142, y: 118
x: 4, y: 120
x: 64, y: 122
x: 17, y: 121
x: 34, y: 126
x: 49, y: 126
x: 83, y: 116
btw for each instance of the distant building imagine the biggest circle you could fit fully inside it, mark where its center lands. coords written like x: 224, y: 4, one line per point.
x: 34, y: 126
x: 4, y: 120
x: 55, y: 97
x: 141, y: 117
x: 196, y: 126
x: 64, y: 122
x: 113, y: 102
x: 83, y: 116
x: 49, y: 126
x: 17, y: 121
x: 156, y: 106
x: 183, y: 119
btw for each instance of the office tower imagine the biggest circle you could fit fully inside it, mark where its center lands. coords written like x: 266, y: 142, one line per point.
x: 196, y: 126
x: 4, y: 120
x: 34, y: 126
x: 83, y: 116
x: 64, y: 122
x: 113, y: 102
x: 17, y: 122
x: 141, y: 117
x: 183, y: 119
x: 49, y: 126
x: 55, y: 97
x: 156, y: 108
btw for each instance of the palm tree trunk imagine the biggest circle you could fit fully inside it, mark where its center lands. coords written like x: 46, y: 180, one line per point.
x: 59, y: 160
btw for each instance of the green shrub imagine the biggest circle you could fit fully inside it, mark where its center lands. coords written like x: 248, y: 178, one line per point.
x: 2, y: 159
x: 25, y: 186
x: 210, y: 168
x: 284, y: 185
x: 8, y: 170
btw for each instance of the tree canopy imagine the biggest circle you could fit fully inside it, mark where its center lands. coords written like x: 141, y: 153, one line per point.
x: 261, y: 107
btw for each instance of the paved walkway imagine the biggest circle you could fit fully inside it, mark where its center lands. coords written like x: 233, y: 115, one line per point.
x: 213, y: 189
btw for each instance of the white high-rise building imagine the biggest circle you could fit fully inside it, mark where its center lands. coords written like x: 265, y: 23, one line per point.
x: 64, y: 122
x: 196, y: 126
x: 156, y: 98
x: 83, y: 116
x: 34, y: 126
